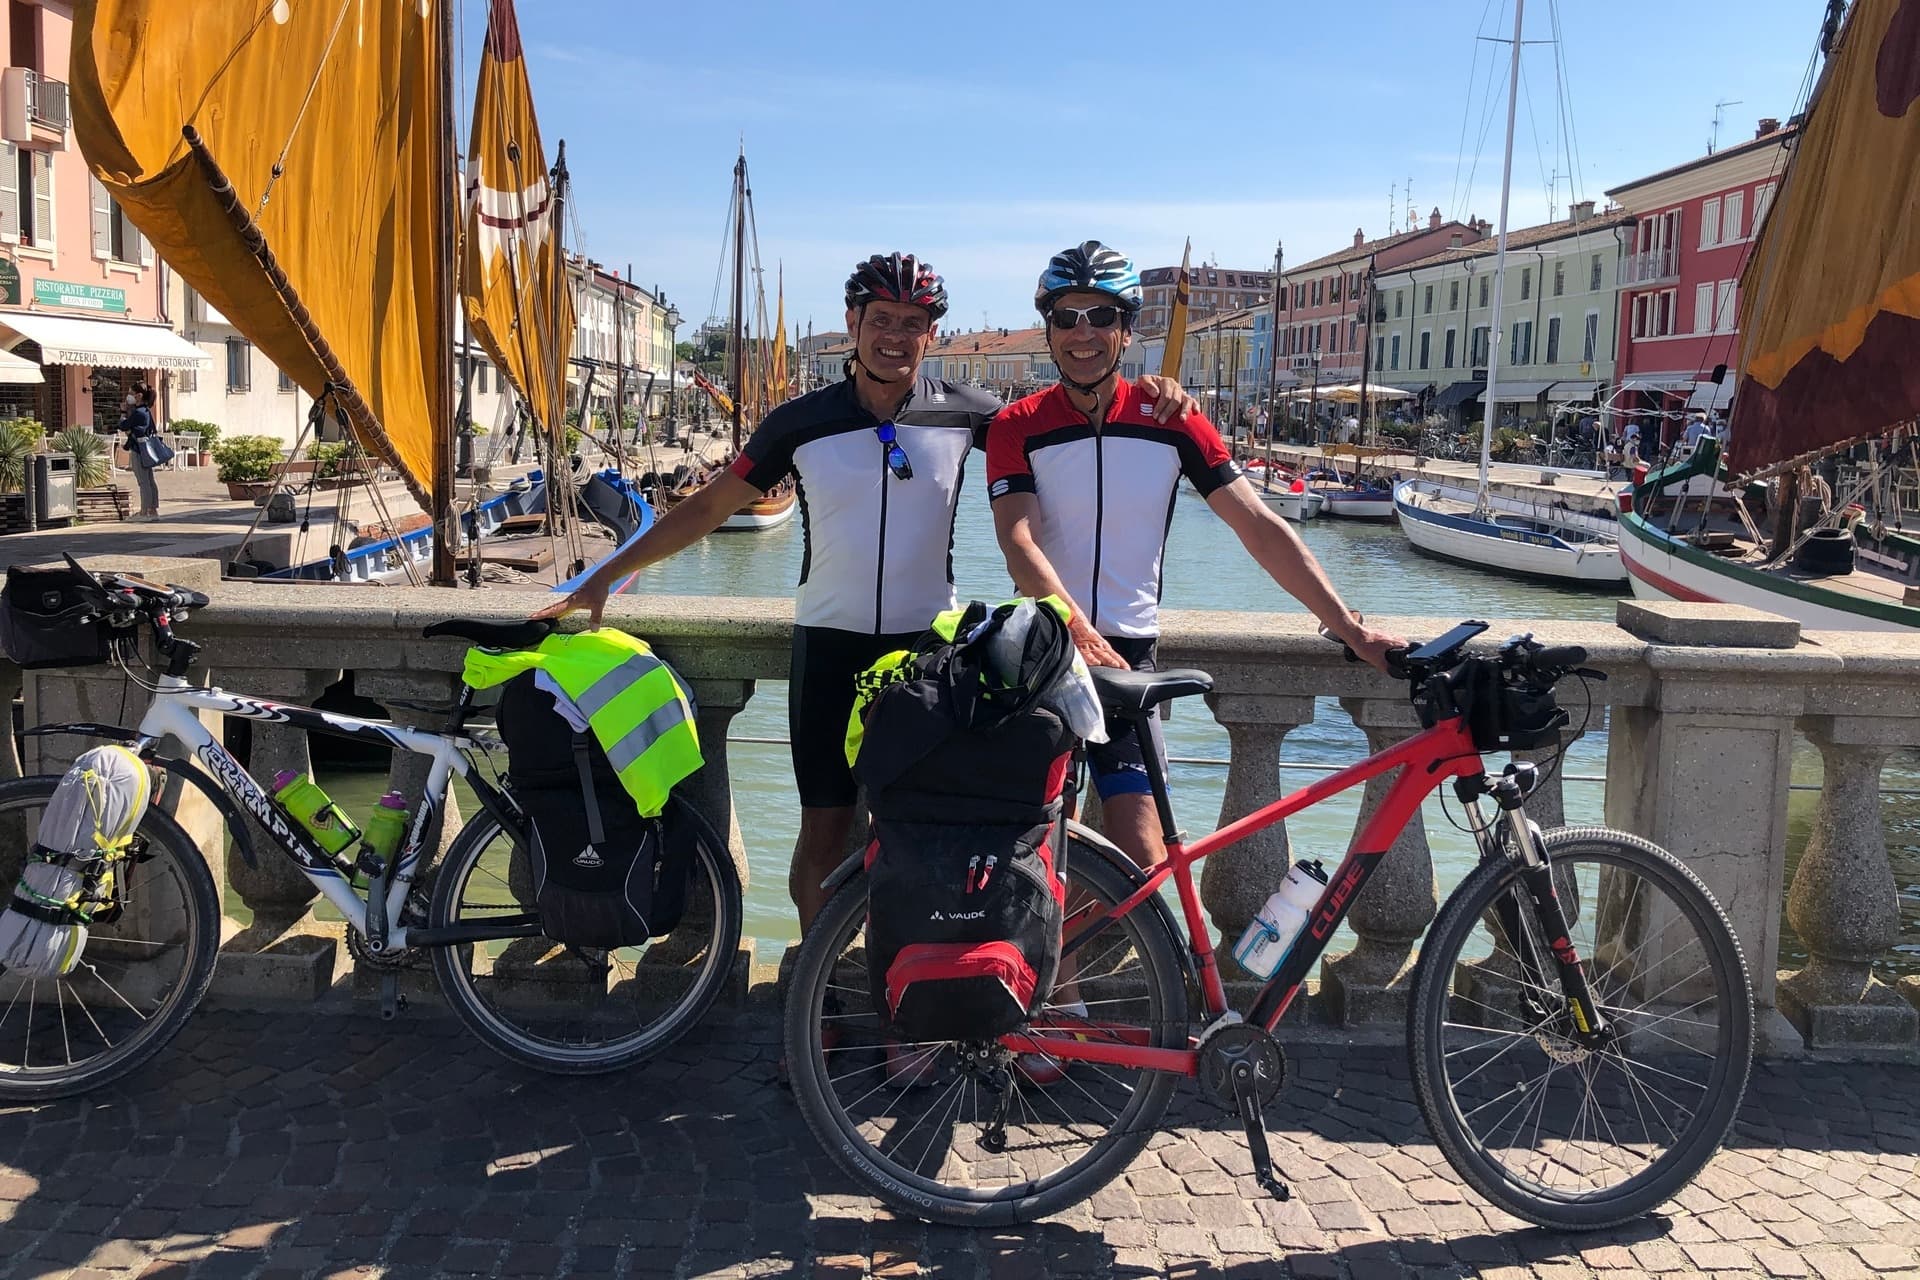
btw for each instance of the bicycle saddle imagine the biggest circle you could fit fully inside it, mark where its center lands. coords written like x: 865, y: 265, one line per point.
x: 1131, y: 693
x: 521, y: 634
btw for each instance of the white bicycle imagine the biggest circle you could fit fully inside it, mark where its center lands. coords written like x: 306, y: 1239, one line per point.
x: 150, y: 958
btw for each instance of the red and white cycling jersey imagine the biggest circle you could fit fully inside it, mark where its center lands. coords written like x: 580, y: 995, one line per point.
x: 1106, y: 494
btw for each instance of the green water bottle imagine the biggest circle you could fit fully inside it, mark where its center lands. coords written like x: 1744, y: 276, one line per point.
x: 315, y: 810
x: 386, y: 828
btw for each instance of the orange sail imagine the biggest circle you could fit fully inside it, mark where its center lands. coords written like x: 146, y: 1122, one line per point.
x: 778, y: 380
x: 1830, y: 299
x: 1176, y: 340
x: 512, y: 249
x: 328, y: 121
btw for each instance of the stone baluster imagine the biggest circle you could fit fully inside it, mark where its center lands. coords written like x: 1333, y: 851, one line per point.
x: 1369, y: 984
x: 283, y: 952
x: 1699, y: 764
x: 1235, y: 882
x: 1844, y: 903
x: 711, y: 788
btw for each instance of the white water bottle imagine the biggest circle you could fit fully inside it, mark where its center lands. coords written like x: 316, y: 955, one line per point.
x: 1271, y: 934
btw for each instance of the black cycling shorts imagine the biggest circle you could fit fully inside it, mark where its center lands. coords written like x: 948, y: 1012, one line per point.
x: 819, y: 700
x: 1119, y: 765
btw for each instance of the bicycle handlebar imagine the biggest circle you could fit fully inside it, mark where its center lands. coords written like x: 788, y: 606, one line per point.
x: 1520, y: 654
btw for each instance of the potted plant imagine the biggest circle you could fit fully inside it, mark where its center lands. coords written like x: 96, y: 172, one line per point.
x: 329, y: 454
x: 208, y: 432
x: 246, y: 463
x: 90, y: 469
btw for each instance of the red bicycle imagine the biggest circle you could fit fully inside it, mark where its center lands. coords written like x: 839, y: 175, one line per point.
x: 1580, y: 1022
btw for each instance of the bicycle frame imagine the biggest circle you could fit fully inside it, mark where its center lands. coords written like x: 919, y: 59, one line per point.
x: 171, y: 715
x: 1424, y: 762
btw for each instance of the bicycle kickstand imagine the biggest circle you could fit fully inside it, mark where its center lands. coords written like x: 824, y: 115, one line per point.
x: 391, y: 1001
x: 1246, y: 1093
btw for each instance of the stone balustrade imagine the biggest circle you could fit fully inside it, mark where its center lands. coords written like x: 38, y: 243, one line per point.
x: 1703, y: 705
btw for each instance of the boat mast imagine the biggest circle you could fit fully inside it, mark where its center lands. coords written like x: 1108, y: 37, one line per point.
x: 441, y: 485
x: 1273, y: 358
x: 739, y: 292
x: 1500, y: 266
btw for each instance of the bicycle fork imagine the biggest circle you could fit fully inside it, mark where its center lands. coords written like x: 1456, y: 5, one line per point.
x: 1521, y: 840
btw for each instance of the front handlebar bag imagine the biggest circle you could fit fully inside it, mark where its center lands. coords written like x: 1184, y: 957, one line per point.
x: 47, y: 619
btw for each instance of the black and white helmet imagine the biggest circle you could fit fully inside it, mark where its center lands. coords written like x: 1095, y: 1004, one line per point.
x: 1090, y: 265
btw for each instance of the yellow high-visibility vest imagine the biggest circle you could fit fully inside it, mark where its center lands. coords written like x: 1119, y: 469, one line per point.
x: 639, y: 711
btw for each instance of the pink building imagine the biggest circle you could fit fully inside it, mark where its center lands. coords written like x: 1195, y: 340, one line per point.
x: 82, y: 313
x: 1692, y: 228
x: 1323, y: 318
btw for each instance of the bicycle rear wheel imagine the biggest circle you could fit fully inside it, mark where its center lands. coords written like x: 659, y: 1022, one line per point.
x: 1550, y: 1130
x: 576, y: 1010
x: 139, y: 978
x: 910, y: 1121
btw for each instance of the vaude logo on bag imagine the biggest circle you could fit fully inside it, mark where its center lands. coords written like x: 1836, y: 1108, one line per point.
x: 589, y: 858
x: 958, y: 915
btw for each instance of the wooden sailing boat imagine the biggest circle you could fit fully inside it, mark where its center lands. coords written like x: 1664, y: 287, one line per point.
x: 751, y: 376
x: 225, y: 133
x: 1476, y: 529
x: 1828, y: 334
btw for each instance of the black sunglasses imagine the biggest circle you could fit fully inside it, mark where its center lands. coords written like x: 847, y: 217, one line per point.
x: 1098, y: 317
x: 897, y: 460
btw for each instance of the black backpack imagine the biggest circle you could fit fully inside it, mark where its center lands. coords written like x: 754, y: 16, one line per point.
x: 965, y: 889
x: 603, y: 875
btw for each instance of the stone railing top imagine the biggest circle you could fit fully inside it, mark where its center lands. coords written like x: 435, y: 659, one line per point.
x: 1729, y: 625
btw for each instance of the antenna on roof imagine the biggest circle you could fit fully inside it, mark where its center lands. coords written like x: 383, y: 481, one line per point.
x: 1393, y: 203
x: 1713, y: 143
x: 1412, y: 217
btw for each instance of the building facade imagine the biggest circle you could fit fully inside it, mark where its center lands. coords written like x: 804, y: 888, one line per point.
x: 1690, y: 230
x: 620, y: 327
x: 1558, y: 309
x: 1324, y: 323
x: 83, y: 303
x: 1213, y: 289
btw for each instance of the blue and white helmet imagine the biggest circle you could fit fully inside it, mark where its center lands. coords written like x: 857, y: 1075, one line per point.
x: 1094, y: 266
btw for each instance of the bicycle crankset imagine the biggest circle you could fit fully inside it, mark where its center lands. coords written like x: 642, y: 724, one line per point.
x: 1242, y: 1068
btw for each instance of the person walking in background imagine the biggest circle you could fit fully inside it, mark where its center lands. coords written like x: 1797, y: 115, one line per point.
x: 145, y: 458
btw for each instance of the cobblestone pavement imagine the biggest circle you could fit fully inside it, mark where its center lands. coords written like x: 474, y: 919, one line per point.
x: 303, y: 1145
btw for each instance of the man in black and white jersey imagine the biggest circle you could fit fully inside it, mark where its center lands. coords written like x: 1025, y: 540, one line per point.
x: 878, y: 460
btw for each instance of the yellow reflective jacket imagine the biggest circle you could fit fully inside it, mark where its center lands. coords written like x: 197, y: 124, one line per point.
x: 636, y: 706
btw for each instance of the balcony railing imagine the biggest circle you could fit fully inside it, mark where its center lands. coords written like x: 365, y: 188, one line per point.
x: 46, y: 101
x: 1650, y: 266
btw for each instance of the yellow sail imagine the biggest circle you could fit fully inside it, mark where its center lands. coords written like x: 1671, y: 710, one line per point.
x: 329, y: 121
x: 1176, y: 344
x: 1830, y: 297
x: 779, y: 378
x: 511, y: 244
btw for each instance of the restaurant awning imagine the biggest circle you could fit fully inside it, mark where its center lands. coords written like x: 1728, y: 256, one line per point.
x: 1657, y: 382
x: 1452, y: 397
x: 1522, y: 390
x: 15, y: 372
x: 1707, y: 395
x: 105, y: 344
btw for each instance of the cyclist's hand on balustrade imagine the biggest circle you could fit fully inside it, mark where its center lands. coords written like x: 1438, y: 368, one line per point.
x: 590, y: 595
x: 1371, y: 646
x: 1092, y: 645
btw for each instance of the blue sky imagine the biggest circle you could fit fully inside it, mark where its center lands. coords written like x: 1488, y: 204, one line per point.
x: 985, y: 135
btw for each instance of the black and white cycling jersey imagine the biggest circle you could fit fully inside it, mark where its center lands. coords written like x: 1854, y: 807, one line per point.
x: 879, y: 548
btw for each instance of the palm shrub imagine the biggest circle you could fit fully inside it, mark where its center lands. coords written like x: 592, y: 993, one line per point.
x: 19, y: 438
x: 91, y: 468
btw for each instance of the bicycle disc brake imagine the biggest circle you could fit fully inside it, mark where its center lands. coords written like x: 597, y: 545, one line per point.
x: 1242, y: 1068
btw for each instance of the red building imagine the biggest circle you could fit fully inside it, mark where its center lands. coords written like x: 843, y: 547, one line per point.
x: 1323, y: 318
x: 1691, y: 230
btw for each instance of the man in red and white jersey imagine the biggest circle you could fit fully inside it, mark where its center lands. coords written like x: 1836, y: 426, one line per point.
x: 1082, y: 478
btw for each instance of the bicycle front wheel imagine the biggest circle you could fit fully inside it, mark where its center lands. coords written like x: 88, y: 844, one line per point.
x: 580, y: 1010
x: 1546, y: 1127
x: 139, y: 977
x: 913, y: 1122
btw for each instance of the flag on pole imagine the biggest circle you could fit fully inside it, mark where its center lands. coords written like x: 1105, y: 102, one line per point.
x: 1177, y: 328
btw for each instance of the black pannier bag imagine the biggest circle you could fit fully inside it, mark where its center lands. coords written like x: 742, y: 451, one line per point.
x: 46, y: 621
x: 965, y: 872
x: 603, y: 876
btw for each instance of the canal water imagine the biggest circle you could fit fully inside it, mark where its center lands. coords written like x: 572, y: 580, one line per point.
x: 1374, y: 569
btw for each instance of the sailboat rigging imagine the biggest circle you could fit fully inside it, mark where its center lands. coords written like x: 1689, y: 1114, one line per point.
x: 749, y: 366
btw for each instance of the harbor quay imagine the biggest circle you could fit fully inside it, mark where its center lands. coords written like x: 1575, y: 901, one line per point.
x: 289, y: 1130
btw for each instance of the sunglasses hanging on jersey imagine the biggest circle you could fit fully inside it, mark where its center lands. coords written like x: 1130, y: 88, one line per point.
x: 897, y: 460
x: 1098, y: 317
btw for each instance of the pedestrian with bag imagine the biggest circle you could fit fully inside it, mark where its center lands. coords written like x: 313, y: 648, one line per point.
x: 146, y: 451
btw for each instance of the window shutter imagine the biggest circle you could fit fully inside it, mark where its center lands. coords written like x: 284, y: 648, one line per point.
x: 43, y: 198
x: 9, y: 194
x: 146, y: 250
x: 102, y: 218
